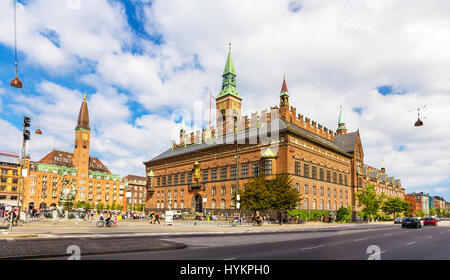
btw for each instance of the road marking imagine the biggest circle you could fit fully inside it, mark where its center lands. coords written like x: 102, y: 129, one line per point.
x: 360, y: 239
x: 10, y: 239
x: 387, y: 234
x: 429, y: 236
x: 309, y: 248
x: 229, y: 259
x: 407, y: 244
x: 441, y: 233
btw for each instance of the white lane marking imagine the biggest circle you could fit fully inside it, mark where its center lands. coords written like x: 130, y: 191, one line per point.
x: 229, y: 259
x: 388, y: 234
x: 430, y: 236
x: 309, y: 248
x: 441, y: 233
x: 360, y: 239
x: 407, y: 244
x: 10, y: 239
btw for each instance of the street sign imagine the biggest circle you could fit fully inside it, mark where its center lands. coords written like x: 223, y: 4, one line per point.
x: 238, y: 205
x: 24, y: 172
x: 204, y: 199
x: 238, y: 197
x: 169, y: 217
x: 128, y: 194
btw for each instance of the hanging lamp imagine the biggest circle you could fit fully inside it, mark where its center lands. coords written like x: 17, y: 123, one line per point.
x: 418, y: 122
x: 15, y: 82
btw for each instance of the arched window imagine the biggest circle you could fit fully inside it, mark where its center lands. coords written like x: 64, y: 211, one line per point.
x: 321, y: 205
x: 328, y: 205
x: 175, y: 205
x: 213, y: 204
x: 334, y: 205
x: 222, y: 204
x: 157, y: 205
x: 162, y: 204
x: 306, y: 203
x: 182, y: 204
x: 314, y: 204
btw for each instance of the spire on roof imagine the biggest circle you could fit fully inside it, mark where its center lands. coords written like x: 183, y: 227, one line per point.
x: 341, y: 124
x: 83, y: 116
x: 229, y: 78
x: 284, y: 90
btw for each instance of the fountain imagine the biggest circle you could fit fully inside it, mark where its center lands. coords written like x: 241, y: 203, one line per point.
x: 65, y: 202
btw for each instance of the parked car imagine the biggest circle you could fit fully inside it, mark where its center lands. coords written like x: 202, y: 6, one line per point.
x: 398, y: 220
x: 430, y: 221
x: 411, y: 222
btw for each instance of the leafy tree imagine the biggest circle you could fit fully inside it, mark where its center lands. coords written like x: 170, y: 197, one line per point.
x: 420, y: 214
x: 344, y: 214
x: 255, y: 196
x: 394, y: 206
x: 371, y: 202
x: 432, y: 212
x: 284, y: 196
x: 100, y: 206
x: 439, y: 212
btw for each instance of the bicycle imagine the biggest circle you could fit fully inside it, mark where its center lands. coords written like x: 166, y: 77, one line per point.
x: 103, y: 223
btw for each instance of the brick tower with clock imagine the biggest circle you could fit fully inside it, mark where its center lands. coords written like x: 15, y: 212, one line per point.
x: 82, y: 140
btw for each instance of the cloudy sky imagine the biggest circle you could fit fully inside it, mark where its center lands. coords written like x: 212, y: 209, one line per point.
x: 140, y: 62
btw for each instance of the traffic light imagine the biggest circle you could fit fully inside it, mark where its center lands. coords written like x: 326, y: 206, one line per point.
x: 26, y: 132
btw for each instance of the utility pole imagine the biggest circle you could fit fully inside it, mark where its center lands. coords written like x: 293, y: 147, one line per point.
x: 25, y: 137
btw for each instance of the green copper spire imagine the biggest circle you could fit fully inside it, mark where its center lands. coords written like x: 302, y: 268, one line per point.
x: 229, y: 78
x: 382, y: 164
x: 229, y: 65
x: 341, y: 123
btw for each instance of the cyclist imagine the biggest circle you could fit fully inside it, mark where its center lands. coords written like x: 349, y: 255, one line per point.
x: 108, y: 217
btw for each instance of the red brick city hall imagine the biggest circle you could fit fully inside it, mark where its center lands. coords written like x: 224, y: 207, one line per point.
x: 202, y: 170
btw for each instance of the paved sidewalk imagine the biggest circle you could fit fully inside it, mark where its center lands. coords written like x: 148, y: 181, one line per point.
x: 26, y: 249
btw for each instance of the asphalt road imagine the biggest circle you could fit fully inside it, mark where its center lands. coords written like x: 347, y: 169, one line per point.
x: 393, y: 243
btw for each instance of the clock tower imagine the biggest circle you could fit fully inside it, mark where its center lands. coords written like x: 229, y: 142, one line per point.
x: 228, y: 102
x: 82, y: 140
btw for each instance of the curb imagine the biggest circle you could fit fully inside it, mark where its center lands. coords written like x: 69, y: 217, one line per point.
x: 7, y: 236
x: 175, y: 247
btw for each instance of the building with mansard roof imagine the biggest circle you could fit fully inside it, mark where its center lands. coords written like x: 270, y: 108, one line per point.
x: 94, y: 182
x: 201, y: 172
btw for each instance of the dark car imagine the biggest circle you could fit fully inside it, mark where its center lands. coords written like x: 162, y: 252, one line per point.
x: 398, y: 220
x: 430, y: 221
x: 411, y: 222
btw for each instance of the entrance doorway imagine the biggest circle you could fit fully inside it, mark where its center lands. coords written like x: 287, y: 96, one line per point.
x: 197, y: 203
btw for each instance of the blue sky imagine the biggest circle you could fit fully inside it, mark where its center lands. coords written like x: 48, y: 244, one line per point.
x: 140, y: 62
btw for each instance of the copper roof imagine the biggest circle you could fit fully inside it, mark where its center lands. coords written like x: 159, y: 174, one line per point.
x: 284, y: 86
x: 61, y: 158
x: 83, y: 116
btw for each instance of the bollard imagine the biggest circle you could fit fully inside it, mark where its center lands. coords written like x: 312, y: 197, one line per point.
x: 115, y: 221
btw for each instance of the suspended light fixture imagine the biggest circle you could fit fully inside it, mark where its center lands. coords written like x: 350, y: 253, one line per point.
x: 15, y: 82
x: 38, y: 131
x: 418, y: 122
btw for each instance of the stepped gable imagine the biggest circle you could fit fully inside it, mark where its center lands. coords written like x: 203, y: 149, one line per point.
x: 62, y: 158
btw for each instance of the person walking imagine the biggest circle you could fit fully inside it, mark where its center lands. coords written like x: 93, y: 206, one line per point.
x: 157, y: 218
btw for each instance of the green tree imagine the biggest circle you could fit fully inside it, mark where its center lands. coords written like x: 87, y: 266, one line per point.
x: 284, y: 196
x: 371, y: 202
x: 100, y: 206
x: 255, y: 196
x: 439, y: 212
x: 420, y: 214
x: 432, y: 212
x: 344, y: 214
x: 394, y: 206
